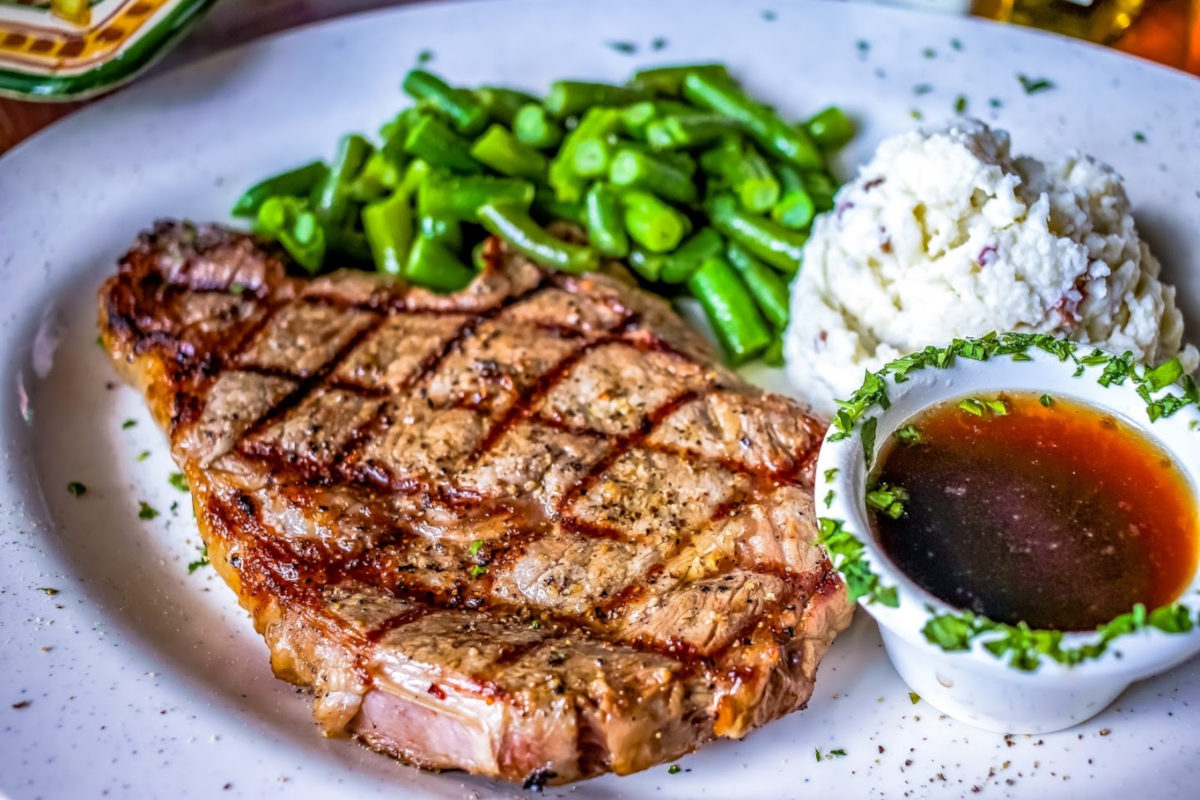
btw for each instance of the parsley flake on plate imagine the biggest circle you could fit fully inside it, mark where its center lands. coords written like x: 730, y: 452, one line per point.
x: 76, y: 489
x: 146, y: 511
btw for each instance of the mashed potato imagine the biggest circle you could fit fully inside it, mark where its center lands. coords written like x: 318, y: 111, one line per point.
x: 945, y: 234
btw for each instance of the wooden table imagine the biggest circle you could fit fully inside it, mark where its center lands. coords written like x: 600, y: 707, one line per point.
x: 1166, y: 32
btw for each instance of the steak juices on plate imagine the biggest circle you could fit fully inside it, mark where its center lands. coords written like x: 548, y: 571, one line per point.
x: 532, y: 529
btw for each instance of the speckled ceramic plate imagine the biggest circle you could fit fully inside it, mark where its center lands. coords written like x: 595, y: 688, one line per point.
x: 49, y: 54
x: 124, y: 674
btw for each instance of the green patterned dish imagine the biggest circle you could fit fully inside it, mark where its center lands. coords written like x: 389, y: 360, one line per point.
x: 47, y: 54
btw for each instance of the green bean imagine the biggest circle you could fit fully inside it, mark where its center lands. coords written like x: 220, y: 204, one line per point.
x: 547, y: 204
x: 503, y: 103
x: 669, y: 80
x: 770, y: 241
x: 795, y: 208
x: 516, y: 227
x: 652, y: 223
x: 597, y: 123
x: 771, y: 132
x: 298, y: 182
x: 746, y: 172
x: 830, y: 127
x: 768, y: 289
x: 332, y: 203
x: 500, y: 150
x: 378, y: 177
x: 478, y: 260
x: 679, y: 160
x: 389, y: 230
x: 730, y: 309
x: 648, y: 265
x: 432, y: 264
x: 415, y: 174
x: 821, y: 187
x: 460, y: 106
x: 459, y: 197
x: 444, y: 230
x: 590, y: 157
x: 637, y: 170
x: 605, y: 226
x: 636, y: 117
x: 692, y: 130
x: 680, y: 265
x: 289, y: 221
x: 773, y: 355
x: 568, y: 98
x: 534, y: 127
x: 432, y: 140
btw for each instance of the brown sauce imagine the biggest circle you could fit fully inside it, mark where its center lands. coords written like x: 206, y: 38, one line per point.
x: 1057, y: 515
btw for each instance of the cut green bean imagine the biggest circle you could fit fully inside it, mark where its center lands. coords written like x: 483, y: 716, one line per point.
x: 536, y: 128
x: 378, y: 177
x: 636, y: 117
x: 652, y: 223
x: 773, y: 355
x: 830, y: 127
x: 605, y: 222
x: 597, y: 123
x: 332, y: 204
x: 668, y: 81
x: 516, y: 227
x: 502, y: 103
x: 769, y: 290
x: 568, y: 98
x: 821, y: 187
x: 459, y: 197
x: 590, y: 157
x: 633, y: 169
x: 500, y: 150
x: 478, y: 259
x: 648, y: 265
x: 771, y: 132
x: 432, y: 140
x: 460, y: 106
x: 550, y: 208
x: 677, y: 159
x: 414, y: 175
x: 730, y: 309
x: 435, y: 266
x: 389, y: 230
x: 680, y: 265
x: 795, y: 208
x: 444, y: 230
x: 745, y: 171
x: 769, y: 241
x: 289, y: 221
x: 692, y: 130
x: 298, y: 182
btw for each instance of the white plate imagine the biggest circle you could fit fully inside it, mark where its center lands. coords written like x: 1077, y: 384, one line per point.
x: 144, y: 681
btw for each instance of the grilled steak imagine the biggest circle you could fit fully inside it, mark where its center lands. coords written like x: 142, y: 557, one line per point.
x: 532, y: 530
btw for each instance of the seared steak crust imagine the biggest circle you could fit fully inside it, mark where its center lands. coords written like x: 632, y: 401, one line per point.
x: 532, y: 530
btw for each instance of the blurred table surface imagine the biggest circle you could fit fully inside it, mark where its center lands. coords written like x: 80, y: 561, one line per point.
x: 1161, y: 34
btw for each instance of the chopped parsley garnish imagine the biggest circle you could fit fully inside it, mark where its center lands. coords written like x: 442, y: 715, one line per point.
x: 863, y: 46
x: 960, y: 104
x: 915, y: 114
x: 658, y: 43
x: 48, y: 590
x: 836, y: 753
x: 914, y: 698
x: 237, y: 289
x: 626, y: 48
x: 174, y: 506
x: 476, y: 546
x: 100, y: 341
x: 1046, y: 401
x: 908, y: 434
x: 818, y: 754
x: 674, y: 769
x: 1034, y: 85
x: 146, y: 511
x: 771, y: 16
x: 979, y: 408
x: 1138, y: 136
x: 425, y: 56
x: 127, y: 424
x: 849, y: 558
x: 829, y: 498
x: 929, y: 52
x: 955, y: 44
x: 178, y: 480
x: 888, y: 499
x: 922, y: 88
x: 829, y: 473
x: 202, y: 561
x: 995, y: 102
x: 478, y: 570
x: 142, y: 456
x: 76, y: 489
x: 535, y: 623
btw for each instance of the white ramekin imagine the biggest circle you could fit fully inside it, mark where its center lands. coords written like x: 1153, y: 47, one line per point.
x: 973, y: 685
